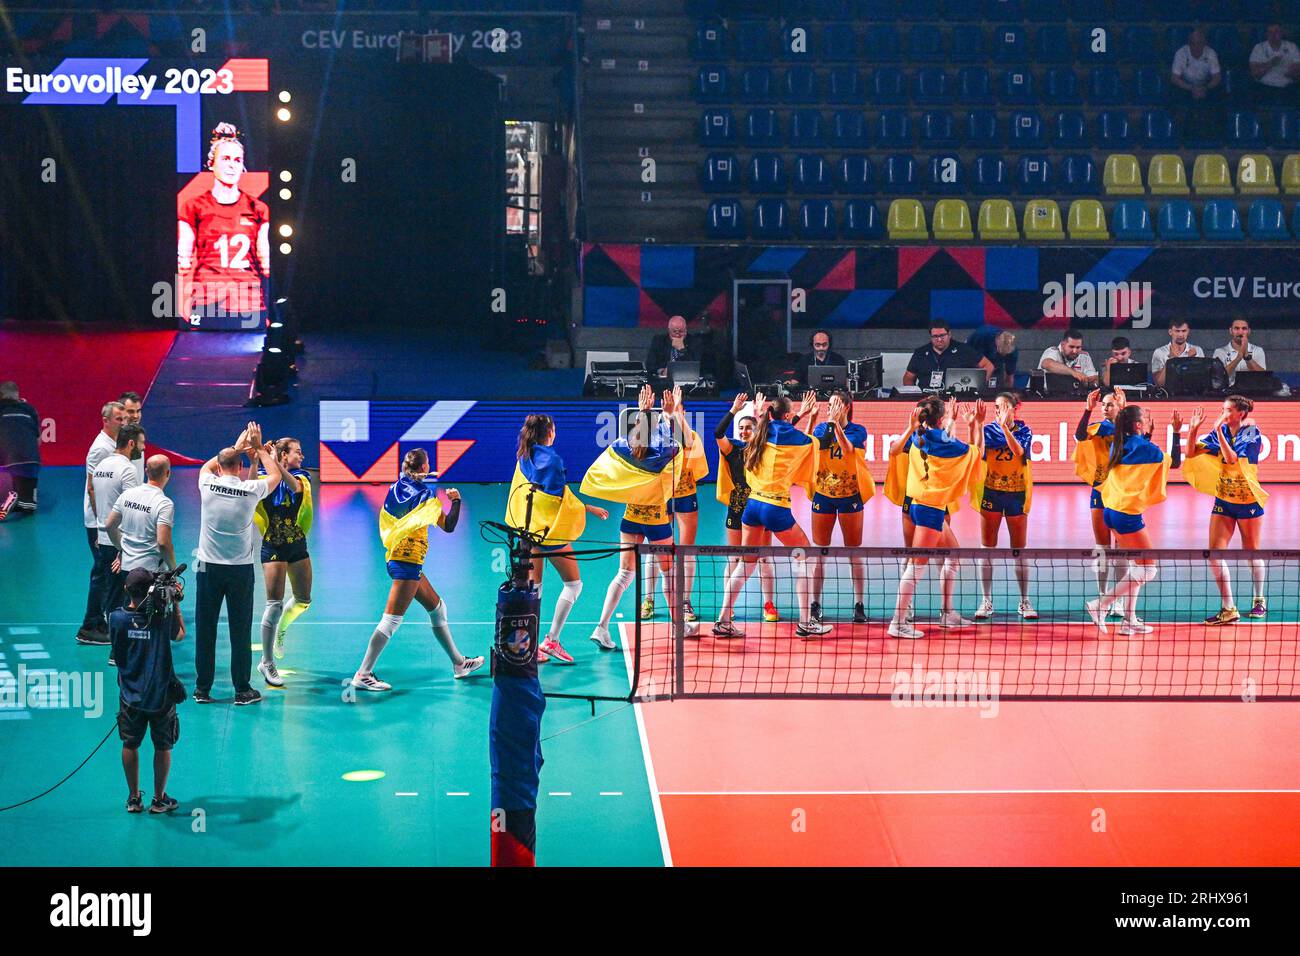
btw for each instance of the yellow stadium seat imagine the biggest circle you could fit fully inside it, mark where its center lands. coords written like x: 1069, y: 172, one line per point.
x: 952, y: 220
x: 907, y: 220
x: 1255, y: 175
x: 1088, y: 220
x: 1122, y: 175
x: 1043, y: 220
x: 1210, y: 176
x: 1291, y: 174
x: 998, y: 220
x: 1166, y: 176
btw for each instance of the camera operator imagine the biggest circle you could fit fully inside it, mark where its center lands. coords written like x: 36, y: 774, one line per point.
x: 142, y: 634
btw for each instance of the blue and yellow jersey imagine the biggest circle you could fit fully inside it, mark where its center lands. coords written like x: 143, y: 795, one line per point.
x: 787, y: 460
x: 557, y: 513
x: 410, y: 507
x: 696, y: 470
x: 939, y: 469
x: 1000, y: 469
x: 731, y: 473
x: 643, y: 485
x: 838, y: 476
x: 1139, y: 480
x: 1237, y: 483
x: 1092, y: 454
x: 283, y: 517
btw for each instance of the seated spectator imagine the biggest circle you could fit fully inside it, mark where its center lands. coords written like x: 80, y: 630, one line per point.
x: 675, y: 346
x: 1196, y: 78
x: 1178, y: 347
x: 1121, y: 353
x: 927, y: 364
x: 1239, y: 355
x: 1275, y: 66
x: 821, y: 354
x: 999, y: 347
x: 20, y: 446
x: 1069, y: 358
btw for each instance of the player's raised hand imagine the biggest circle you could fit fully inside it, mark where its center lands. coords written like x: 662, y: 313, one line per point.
x: 760, y: 404
x: 1093, y: 398
x: 1197, y: 418
x: 835, y: 409
x: 678, y: 405
x: 1120, y: 398
x: 738, y: 403
x: 453, y: 494
x: 1176, y: 419
x: 646, y: 398
x: 808, y: 403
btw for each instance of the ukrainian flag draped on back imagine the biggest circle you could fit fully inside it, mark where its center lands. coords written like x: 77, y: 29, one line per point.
x: 1139, y: 480
x: 941, y: 476
x: 1238, y: 482
x: 618, y: 475
x: 557, y: 512
x: 726, y: 481
x: 410, y: 507
x: 896, y: 473
x: 999, y: 469
x: 696, y: 468
x: 788, y: 460
x: 1091, y: 456
x: 838, y: 476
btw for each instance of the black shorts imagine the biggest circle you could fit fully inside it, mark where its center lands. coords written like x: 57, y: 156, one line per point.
x: 290, y: 553
x: 736, y: 507
x: 733, y: 519
x: 164, y: 726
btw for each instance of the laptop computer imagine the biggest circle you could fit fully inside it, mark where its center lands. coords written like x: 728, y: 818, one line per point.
x: 743, y: 380
x: 827, y: 378
x: 1255, y: 383
x: 964, y: 380
x: 1130, y: 374
x: 1189, y: 376
x: 1065, y: 386
x: 684, y: 373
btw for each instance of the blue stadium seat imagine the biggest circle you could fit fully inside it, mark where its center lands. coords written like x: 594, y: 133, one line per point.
x: 816, y: 219
x: 1176, y: 36
x: 1226, y: 42
x: 1052, y: 43
x: 838, y: 43
x: 812, y: 174
x: 799, y: 85
x: 880, y: 43
x: 1069, y: 130
x: 1018, y: 87
x: 946, y: 175
x: 1099, y: 42
x: 964, y: 10
x: 1113, y: 129
x: 854, y: 175
x: 844, y: 85
x: 922, y: 9
x: 1266, y: 219
x: 797, y: 42
x: 1061, y: 87
x: 1253, y: 11
x: 786, y: 9
x: 806, y: 129
x: 938, y: 129
x: 710, y: 41
x: 717, y: 126
x: 1222, y: 221
x: 1285, y: 131
x: 898, y: 175
x: 932, y: 86
x: 982, y: 129
x: 849, y: 129
x: 726, y: 220
x: 876, y: 10
x: 711, y: 84
x: 893, y: 129
x: 762, y: 128
x: 753, y: 43
x: 925, y: 43
x: 702, y: 8
x: 1243, y: 129
x: 721, y: 174
x: 1127, y: 12
x: 1104, y: 86
x: 990, y: 176
x: 1049, y: 11
x: 1148, y: 86
x: 771, y: 219
x: 1003, y: 10
x: 1139, y: 45
x: 1131, y: 220
x: 1026, y: 130
x: 756, y: 84
x: 1176, y: 221
x: 973, y: 85
x: 1157, y: 129
x: 968, y: 44
x: 888, y: 86
x: 834, y: 9
x: 1079, y: 176
x: 1034, y: 176
x: 1009, y: 43
x: 766, y: 174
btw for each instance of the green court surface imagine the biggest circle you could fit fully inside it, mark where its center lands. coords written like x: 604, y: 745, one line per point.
x: 264, y: 785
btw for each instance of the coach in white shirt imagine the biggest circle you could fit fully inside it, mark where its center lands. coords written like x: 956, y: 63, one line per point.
x: 141, y: 521
x: 1069, y: 358
x: 113, y: 476
x: 224, y: 571
x: 1275, y: 66
x: 1239, y: 355
x: 94, y: 627
x: 133, y: 405
x: 1196, y: 77
x: 1178, y: 347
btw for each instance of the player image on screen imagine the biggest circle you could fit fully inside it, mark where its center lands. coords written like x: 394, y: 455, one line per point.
x: 223, y: 249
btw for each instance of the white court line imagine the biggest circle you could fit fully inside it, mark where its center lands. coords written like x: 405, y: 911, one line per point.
x: 29, y: 647
x: 645, y: 756
x: 611, y: 793
x: 458, y: 793
x: 922, y: 793
x: 401, y: 793
x: 560, y: 793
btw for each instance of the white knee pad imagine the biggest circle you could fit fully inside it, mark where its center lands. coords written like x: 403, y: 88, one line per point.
x: 570, y: 591
x: 1142, y: 573
x: 271, y: 614
x: 439, y: 614
x: 388, y: 624
x: 798, y: 567
x: 950, y: 568
x: 623, y: 579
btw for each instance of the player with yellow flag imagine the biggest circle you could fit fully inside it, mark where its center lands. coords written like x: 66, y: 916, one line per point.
x: 1003, y: 488
x: 1091, y: 458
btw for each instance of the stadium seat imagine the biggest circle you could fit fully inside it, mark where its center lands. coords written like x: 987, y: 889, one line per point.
x: 1157, y: 129
x: 1087, y: 220
x: 1166, y: 176
x: 963, y: 10
x: 816, y: 219
x: 946, y: 175
x: 717, y: 127
x: 1226, y: 42
x: 844, y: 85
x: 797, y: 42
x: 1255, y: 175
x: 973, y: 85
x: 997, y: 221
x: 834, y: 9
x: 1003, y: 11
x: 899, y: 174
x: 762, y: 128
x: 893, y: 129
x: 952, y: 221
x: 1122, y: 175
x: 968, y: 44
x: 1131, y: 220
x: 907, y: 220
x: 1079, y: 175
x: 854, y: 175
x: 720, y: 173
x: 925, y: 44
x: 937, y: 129
x: 1043, y: 220
x: 756, y: 85
x: 1061, y: 87
x: 726, y: 220
x: 1018, y: 87
x: 1243, y: 129
x: 990, y: 176
x: 1052, y: 42
x: 806, y: 129
x: 710, y: 41
x: 1291, y: 174
x: 849, y: 129
x: 1176, y: 221
x: 880, y: 43
x: 1104, y: 86
x: 812, y: 174
x: 1009, y: 44
x: 1148, y: 86
x: 888, y: 86
x: 1139, y: 45
x: 932, y: 86
x: 862, y: 220
x: 1113, y: 130
x: 766, y: 173
x: 1068, y: 130
x: 1266, y: 220
x: 1026, y: 130
x: 753, y: 43
x: 874, y: 10
x: 1222, y: 221
x: 982, y: 129
x: 1176, y: 33
x: 1049, y: 11
x: 800, y: 85
x: 921, y: 10
x: 1033, y: 176
x: 771, y: 219
x: 1285, y: 130
x: 711, y: 84
x: 838, y: 43
x: 1210, y: 175
x: 1099, y: 42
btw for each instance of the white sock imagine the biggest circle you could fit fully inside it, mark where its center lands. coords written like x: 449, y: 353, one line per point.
x: 442, y: 631
x: 563, y: 605
x: 690, y: 577
x: 802, y: 588
x: 1259, y: 571
x: 735, y: 584
x: 947, y: 579
x: 1022, y: 578
x: 388, y: 624
x: 614, y: 593
x: 767, y: 578
x: 986, y: 578
x: 1118, y: 568
x: 650, y: 575
x: 858, y: 568
x: 912, y: 574
x: 1223, y: 578
x: 270, y: 618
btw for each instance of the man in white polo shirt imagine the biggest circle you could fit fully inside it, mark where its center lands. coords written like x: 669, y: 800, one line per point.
x: 224, y: 570
x: 1239, y: 355
x: 1196, y: 77
x: 1275, y: 66
x: 1179, y: 331
x: 113, y: 476
x: 141, y: 521
x: 94, y: 626
x: 1069, y: 358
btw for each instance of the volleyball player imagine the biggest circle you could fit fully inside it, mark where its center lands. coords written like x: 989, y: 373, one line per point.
x: 685, y: 510
x: 733, y: 492
x: 1003, y: 490
x: 409, y: 509
x: 540, y: 501
x: 284, y: 517
x: 1091, y: 456
x: 1224, y: 464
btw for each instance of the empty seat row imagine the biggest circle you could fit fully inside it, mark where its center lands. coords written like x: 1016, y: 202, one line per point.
x: 965, y: 11
x: 1211, y: 175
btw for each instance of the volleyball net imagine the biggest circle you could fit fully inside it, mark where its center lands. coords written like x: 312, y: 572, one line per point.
x: 1012, y: 624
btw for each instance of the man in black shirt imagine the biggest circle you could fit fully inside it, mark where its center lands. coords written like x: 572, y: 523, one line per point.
x: 927, y: 364
x: 145, y: 678
x: 821, y: 354
x: 20, y: 446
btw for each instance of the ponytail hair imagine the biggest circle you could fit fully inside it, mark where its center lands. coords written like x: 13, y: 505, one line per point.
x: 534, y: 432
x: 1126, y: 426
x: 932, y: 409
x: 778, y: 410
x: 415, y: 462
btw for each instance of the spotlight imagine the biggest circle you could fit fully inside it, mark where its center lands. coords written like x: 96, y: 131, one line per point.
x: 283, y: 114
x: 285, y: 248
x: 286, y: 194
x: 286, y: 230
x: 285, y: 175
x: 284, y: 96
